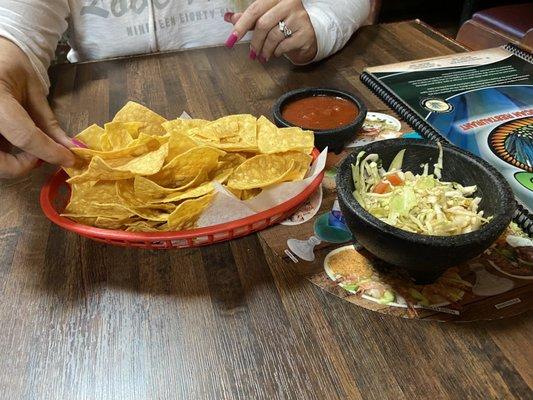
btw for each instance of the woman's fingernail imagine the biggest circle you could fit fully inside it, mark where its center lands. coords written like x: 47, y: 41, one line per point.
x: 253, y: 54
x: 39, y: 163
x: 77, y: 143
x: 262, y: 59
x: 227, y: 16
x: 232, y: 39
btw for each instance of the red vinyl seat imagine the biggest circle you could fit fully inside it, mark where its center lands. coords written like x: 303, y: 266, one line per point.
x: 497, y: 26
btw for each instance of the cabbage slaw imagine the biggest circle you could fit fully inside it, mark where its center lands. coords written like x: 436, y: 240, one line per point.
x: 416, y: 203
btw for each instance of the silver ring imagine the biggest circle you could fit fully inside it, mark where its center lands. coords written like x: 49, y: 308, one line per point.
x: 284, y: 29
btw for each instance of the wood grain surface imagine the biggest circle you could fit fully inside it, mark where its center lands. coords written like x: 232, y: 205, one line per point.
x: 83, y: 320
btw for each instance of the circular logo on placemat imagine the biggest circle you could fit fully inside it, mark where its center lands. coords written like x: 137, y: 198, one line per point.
x: 512, y: 142
x: 434, y: 104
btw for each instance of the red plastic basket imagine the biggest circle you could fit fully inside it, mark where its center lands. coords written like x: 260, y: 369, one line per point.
x: 55, y: 194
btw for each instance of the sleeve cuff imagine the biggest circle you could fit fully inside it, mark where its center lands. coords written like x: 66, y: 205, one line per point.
x: 334, y: 22
x: 323, y: 27
x: 37, y: 65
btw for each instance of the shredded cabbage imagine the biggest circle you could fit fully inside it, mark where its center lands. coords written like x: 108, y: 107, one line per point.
x: 416, y: 203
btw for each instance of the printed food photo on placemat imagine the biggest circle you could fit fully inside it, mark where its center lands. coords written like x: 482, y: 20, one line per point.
x: 377, y: 126
x: 478, y: 280
x: 475, y: 290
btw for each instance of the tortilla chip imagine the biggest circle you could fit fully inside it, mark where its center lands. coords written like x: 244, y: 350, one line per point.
x: 123, y: 168
x: 91, y: 137
x: 261, y: 171
x: 185, y: 167
x: 271, y: 139
x: 178, y: 143
x: 183, y: 125
x: 137, y: 147
x: 187, y: 213
x: 226, y: 166
x: 302, y: 163
x: 135, y: 112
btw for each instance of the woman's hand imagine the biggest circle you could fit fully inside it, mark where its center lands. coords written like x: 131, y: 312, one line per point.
x: 26, y: 120
x: 263, y: 17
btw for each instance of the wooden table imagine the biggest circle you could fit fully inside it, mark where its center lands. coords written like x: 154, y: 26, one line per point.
x: 82, y: 320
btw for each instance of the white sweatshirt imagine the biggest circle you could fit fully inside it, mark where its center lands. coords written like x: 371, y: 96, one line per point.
x: 98, y: 29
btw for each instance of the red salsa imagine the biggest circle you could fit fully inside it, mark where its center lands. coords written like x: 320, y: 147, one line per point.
x: 320, y: 112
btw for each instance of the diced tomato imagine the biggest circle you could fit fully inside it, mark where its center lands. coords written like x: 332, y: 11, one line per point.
x: 382, y: 187
x: 395, y: 180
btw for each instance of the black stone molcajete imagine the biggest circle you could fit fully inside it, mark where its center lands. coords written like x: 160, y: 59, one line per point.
x: 333, y: 139
x: 426, y: 257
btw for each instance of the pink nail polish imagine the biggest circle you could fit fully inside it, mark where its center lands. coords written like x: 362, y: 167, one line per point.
x: 262, y: 59
x: 79, y: 144
x: 232, y: 39
x: 227, y: 16
x: 253, y: 54
x: 39, y: 163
